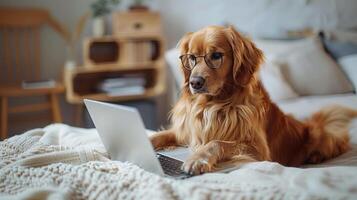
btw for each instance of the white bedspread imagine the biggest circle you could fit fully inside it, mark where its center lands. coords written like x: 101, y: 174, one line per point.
x: 62, y: 162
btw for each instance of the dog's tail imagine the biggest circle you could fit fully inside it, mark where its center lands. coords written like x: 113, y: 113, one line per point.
x: 328, y: 133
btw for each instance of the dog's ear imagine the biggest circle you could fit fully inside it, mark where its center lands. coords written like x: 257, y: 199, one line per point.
x: 183, y: 45
x: 246, y: 57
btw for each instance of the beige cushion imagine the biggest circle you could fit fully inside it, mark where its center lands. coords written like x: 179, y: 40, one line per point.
x: 275, y: 83
x: 307, y: 67
x: 275, y: 48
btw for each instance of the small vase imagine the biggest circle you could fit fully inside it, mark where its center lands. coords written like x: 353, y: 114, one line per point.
x: 98, y: 26
x: 70, y: 62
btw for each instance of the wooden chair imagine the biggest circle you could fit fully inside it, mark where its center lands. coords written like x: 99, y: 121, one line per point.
x: 20, y: 58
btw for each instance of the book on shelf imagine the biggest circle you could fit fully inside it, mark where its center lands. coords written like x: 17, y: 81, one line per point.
x: 121, y: 82
x: 123, y: 86
x: 37, y: 84
x: 126, y: 91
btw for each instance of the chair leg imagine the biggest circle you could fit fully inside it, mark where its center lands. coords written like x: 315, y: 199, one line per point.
x: 4, y: 115
x: 56, y: 112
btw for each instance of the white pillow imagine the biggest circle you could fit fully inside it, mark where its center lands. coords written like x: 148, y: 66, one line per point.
x: 349, y: 66
x: 275, y: 83
x: 173, y: 60
x: 307, y: 67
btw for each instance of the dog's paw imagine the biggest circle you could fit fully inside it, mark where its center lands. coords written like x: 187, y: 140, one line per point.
x: 155, y: 141
x: 197, y: 166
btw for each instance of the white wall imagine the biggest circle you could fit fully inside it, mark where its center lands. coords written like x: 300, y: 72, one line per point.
x: 260, y: 18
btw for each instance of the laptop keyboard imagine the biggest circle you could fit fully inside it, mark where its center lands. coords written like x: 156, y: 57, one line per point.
x: 171, y: 167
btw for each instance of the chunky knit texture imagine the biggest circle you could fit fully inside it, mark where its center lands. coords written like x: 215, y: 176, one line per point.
x: 62, y: 162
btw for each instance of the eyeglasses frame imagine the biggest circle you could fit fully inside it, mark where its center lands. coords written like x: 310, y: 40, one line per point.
x: 199, y: 56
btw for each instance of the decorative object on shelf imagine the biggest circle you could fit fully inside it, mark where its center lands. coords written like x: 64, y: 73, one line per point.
x: 98, y: 26
x: 100, y: 9
x: 73, y: 39
x: 138, y: 5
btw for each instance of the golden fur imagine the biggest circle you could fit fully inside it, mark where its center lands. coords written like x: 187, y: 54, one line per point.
x: 235, y: 119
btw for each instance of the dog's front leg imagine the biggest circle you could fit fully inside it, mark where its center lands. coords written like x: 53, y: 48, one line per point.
x: 207, y: 156
x: 163, y: 139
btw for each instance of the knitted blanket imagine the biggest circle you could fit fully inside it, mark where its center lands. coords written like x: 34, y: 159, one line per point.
x: 63, y: 162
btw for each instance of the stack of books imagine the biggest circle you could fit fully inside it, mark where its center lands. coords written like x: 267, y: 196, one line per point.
x: 123, y: 86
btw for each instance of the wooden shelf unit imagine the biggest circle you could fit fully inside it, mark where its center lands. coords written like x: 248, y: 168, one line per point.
x: 115, y: 55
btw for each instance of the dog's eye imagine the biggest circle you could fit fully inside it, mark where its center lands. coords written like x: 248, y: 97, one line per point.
x: 214, y: 60
x: 216, y: 56
x: 192, y: 57
x: 192, y: 60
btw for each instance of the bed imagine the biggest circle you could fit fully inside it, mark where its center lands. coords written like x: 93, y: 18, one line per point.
x: 63, y: 162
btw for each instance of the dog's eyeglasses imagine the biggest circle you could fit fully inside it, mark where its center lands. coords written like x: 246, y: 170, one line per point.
x: 213, y: 60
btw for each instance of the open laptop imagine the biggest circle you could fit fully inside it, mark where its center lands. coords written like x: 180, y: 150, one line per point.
x: 124, y: 136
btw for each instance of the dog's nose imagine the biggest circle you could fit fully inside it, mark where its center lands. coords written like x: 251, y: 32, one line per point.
x: 197, y: 82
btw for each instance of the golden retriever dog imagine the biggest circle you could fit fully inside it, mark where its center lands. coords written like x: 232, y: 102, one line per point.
x: 225, y: 114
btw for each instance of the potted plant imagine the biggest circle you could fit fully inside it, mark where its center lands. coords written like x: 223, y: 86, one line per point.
x: 100, y: 9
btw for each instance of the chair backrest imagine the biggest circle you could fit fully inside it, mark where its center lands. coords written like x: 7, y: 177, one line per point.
x: 20, y: 52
